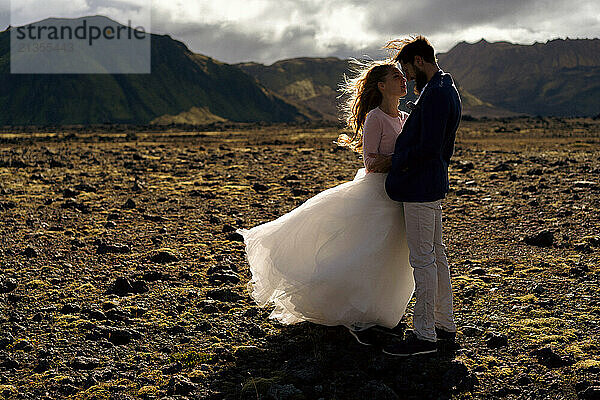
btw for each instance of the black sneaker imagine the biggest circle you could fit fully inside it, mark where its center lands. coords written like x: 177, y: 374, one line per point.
x: 442, y: 335
x: 397, y: 331
x: 366, y: 337
x: 410, y: 346
x: 448, y: 337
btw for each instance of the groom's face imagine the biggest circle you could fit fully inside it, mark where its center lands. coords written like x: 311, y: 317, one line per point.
x: 412, y: 71
x: 409, y: 70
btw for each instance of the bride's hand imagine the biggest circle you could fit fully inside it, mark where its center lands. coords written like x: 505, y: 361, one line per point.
x: 382, y: 163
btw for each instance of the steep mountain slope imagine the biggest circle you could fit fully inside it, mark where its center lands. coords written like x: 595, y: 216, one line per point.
x: 311, y: 83
x: 180, y: 80
x: 560, y: 77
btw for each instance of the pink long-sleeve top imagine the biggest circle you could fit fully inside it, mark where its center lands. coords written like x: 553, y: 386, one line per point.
x: 380, y: 131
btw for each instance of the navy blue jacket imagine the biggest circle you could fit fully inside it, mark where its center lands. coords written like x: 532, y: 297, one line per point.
x: 423, y: 149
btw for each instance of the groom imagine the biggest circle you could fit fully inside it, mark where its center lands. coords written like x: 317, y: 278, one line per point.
x: 418, y: 178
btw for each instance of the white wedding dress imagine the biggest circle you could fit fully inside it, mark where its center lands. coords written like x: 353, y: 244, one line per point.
x: 340, y: 258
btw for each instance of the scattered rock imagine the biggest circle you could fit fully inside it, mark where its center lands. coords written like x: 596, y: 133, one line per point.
x: 122, y: 287
x: 129, y: 204
x: 70, y: 308
x: 506, y: 390
x: 246, y: 352
x: 203, y: 194
x: 502, y: 167
x: 235, y: 237
x: 591, y: 393
x: 7, y: 285
x: 593, y: 241
x: 203, y: 326
x: 497, y: 340
x: 228, y: 228
x: 299, y: 192
x: 523, y: 380
x: 176, y: 330
x: 95, y: 314
x: 585, y: 184
x: 30, y: 252
x: 7, y: 205
x: 456, y: 373
x: 465, y: 192
x: 223, y: 294
x: 84, y: 187
x: 6, y: 340
x: 547, y: 357
x: 118, y: 336
x: 172, y: 368
x: 72, y: 204
x: 544, y: 238
x: 539, y: 289
x: 164, y: 257
x: 535, y: 172
x: 22, y: 345
x: 477, y: 271
x: 251, y: 312
x: 104, y: 248
x: 9, y: 364
x: 285, y: 392
x: 209, y: 307
x: 180, y: 386
x: 259, y: 187
x: 153, y: 218
x: 84, y: 363
x: 153, y: 276
x: 42, y: 366
x: 256, y: 332
x: 465, y: 166
x: 579, y: 270
x: 68, y: 192
x: 228, y: 276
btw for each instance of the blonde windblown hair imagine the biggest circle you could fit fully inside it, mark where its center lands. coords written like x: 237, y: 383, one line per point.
x: 363, y: 96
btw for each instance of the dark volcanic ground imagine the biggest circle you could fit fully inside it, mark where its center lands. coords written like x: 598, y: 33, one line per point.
x: 122, y: 276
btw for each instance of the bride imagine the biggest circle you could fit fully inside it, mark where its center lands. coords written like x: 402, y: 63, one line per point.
x: 341, y: 258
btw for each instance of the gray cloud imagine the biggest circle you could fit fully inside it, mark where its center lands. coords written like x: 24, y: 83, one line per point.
x: 522, y: 21
x: 4, y: 14
x: 445, y: 23
x: 278, y: 29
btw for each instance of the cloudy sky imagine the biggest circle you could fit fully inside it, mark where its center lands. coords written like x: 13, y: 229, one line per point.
x: 270, y: 30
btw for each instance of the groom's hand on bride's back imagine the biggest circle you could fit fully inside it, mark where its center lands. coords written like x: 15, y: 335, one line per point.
x: 382, y: 163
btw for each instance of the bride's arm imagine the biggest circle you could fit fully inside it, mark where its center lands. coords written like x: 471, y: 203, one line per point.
x: 372, y: 134
x: 380, y: 162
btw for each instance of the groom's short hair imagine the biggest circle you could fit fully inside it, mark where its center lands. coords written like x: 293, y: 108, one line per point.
x: 416, y: 46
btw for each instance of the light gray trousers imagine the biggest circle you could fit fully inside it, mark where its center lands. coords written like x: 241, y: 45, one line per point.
x: 433, y: 307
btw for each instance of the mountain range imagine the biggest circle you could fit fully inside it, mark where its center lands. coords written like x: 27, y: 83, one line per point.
x: 501, y: 79
x: 182, y: 87
x: 559, y: 77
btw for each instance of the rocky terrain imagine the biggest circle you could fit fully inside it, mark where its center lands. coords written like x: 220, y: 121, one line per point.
x: 122, y: 277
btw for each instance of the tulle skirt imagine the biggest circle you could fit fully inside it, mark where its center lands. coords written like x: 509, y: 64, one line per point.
x: 340, y: 258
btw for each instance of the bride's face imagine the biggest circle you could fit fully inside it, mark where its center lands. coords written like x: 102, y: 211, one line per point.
x: 394, y: 83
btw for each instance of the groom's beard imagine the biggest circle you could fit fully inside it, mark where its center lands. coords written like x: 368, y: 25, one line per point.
x: 420, y: 81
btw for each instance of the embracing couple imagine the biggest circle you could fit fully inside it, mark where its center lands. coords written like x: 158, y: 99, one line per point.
x: 354, y: 254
